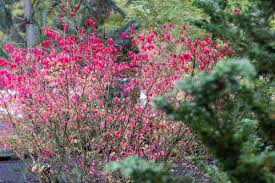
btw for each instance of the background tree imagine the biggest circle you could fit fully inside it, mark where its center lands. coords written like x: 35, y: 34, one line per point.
x: 29, y: 26
x: 155, y: 13
x: 22, y: 21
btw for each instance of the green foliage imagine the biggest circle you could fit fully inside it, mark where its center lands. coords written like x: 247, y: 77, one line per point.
x: 244, y: 153
x: 140, y: 170
x: 154, y: 13
x: 250, y: 31
x: 9, y: 25
x: 12, y: 23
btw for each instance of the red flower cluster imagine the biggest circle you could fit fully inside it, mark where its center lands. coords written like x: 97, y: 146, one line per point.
x: 81, y: 97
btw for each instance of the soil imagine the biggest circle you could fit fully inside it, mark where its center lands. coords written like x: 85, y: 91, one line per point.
x: 14, y: 171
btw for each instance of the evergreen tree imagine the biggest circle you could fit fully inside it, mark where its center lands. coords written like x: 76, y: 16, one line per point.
x: 248, y: 25
x: 225, y: 112
x: 232, y: 108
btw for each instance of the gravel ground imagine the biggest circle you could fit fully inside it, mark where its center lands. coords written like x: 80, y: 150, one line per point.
x: 12, y: 171
x: 189, y: 170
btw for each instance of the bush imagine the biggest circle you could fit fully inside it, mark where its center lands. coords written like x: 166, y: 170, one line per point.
x: 78, y: 103
x: 139, y: 170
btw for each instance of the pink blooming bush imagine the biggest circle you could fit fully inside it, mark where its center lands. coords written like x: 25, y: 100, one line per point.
x: 77, y: 103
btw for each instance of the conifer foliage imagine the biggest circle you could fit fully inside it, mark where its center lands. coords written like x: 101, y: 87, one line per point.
x: 249, y: 25
x: 231, y: 114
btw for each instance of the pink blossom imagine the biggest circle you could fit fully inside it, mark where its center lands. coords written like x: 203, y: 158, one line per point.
x: 45, y: 43
x: 82, y: 31
x: 132, y: 28
x: 9, y: 47
x: 76, y: 8
x: 237, y: 11
x: 167, y: 37
x: 72, y: 14
x: 62, y: 5
x: 49, y: 33
x: 110, y: 42
x: 133, y: 42
x: 124, y: 35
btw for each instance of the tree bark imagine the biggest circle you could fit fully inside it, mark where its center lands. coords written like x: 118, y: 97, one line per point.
x: 30, y: 28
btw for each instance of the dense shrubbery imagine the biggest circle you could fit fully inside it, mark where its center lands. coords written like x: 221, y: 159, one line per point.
x: 81, y: 103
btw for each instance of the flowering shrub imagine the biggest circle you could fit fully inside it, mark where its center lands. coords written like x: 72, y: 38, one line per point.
x: 78, y: 101
x: 5, y: 133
